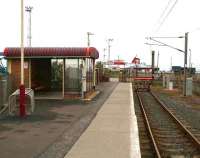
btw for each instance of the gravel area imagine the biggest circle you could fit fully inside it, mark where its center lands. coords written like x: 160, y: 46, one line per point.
x: 183, y: 107
x: 52, y: 130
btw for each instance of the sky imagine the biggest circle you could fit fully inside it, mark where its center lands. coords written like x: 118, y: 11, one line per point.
x: 65, y: 23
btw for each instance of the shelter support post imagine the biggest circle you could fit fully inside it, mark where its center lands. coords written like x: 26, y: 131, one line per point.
x: 63, y: 80
x: 94, y: 74
x: 83, y: 78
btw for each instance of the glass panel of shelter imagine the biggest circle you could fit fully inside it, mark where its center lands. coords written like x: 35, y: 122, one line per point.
x: 72, y: 75
x: 56, y: 74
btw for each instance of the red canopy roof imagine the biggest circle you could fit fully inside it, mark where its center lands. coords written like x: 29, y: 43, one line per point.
x: 32, y: 52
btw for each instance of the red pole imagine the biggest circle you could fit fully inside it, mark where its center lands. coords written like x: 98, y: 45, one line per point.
x: 22, y: 111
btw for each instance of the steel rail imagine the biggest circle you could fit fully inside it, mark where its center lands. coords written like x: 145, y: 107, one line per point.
x: 148, y: 127
x: 184, y: 129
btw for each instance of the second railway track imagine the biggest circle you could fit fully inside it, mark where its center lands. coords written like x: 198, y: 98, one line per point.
x: 167, y: 136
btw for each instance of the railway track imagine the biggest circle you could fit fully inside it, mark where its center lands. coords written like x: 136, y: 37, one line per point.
x: 162, y: 134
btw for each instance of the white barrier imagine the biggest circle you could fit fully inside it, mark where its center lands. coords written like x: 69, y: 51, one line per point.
x: 114, y: 79
x: 12, y: 101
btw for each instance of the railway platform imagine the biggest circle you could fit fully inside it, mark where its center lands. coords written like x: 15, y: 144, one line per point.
x: 113, y: 133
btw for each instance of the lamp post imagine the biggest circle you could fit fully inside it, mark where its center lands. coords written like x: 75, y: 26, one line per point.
x: 88, y: 38
x: 28, y: 9
x: 104, y: 55
x: 183, y: 51
x: 93, y: 61
x: 22, y: 111
x: 84, y: 67
x: 190, y: 58
x: 104, y: 59
x: 109, y: 41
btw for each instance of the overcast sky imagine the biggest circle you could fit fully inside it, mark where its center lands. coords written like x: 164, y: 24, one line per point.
x: 65, y: 23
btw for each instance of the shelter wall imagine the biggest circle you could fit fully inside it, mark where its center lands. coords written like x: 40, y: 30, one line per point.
x: 15, y: 70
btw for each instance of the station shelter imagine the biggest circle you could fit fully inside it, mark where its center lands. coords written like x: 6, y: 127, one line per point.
x: 54, y: 72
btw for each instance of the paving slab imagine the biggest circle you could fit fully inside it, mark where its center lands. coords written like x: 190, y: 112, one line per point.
x: 113, y: 133
x: 101, y: 145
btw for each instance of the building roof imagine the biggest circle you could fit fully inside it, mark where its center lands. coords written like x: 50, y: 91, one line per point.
x: 119, y: 62
x: 136, y: 60
x: 51, y: 52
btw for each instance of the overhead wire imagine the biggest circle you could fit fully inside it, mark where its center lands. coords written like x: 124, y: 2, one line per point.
x: 162, y: 14
x: 167, y: 14
x: 164, y: 11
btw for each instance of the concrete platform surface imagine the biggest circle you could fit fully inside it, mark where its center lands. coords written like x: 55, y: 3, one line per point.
x: 113, y: 133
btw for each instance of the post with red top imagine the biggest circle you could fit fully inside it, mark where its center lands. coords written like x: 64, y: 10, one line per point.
x: 22, y: 111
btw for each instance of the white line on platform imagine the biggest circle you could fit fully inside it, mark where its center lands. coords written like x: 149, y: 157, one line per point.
x: 134, y: 137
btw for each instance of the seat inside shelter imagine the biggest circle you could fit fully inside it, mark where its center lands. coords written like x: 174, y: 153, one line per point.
x: 55, y: 72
